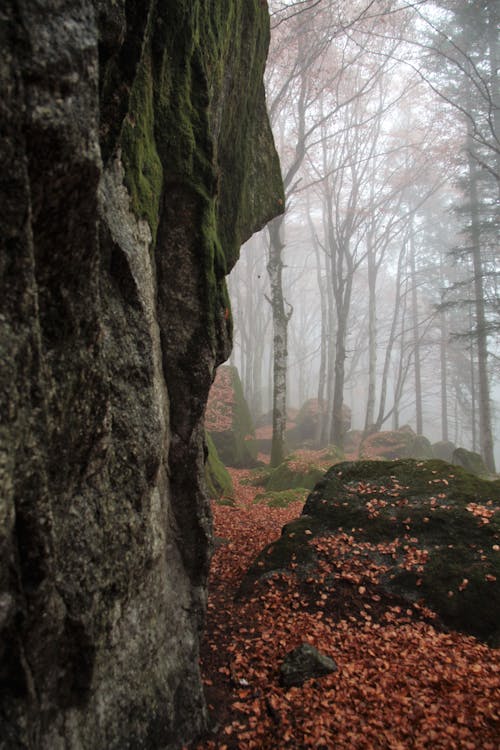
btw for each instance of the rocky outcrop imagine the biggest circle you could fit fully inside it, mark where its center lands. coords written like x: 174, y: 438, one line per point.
x: 305, y: 430
x: 391, y: 444
x: 428, y: 531
x: 136, y: 157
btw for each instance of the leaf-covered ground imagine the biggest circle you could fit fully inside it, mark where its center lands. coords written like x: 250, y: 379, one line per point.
x: 402, y: 682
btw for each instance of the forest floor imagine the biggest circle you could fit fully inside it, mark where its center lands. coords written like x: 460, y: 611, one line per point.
x: 401, y: 682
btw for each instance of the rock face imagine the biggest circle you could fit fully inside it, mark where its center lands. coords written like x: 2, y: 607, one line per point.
x: 136, y: 157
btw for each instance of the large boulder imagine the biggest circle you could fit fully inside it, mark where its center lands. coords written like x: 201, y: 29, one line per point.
x: 136, y: 158
x: 229, y: 422
x: 470, y: 461
x: 392, y: 444
x: 305, y: 430
x: 426, y: 532
x: 444, y: 449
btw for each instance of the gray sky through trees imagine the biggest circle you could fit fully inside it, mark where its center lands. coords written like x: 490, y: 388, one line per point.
x: 379, y: 109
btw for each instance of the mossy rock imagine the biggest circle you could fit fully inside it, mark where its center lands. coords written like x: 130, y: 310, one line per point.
x: 217, y: 477
x: 470, y: 461
x: 421, y: 448
x: 293, y: 473
x: 430, y: 507
x: 229, y: 422
x: 282, y: 499
x: 291, y: 548
x: 395, y: 444
x: 304, y: 431
x: 333, y: 454
x: 444, y: 449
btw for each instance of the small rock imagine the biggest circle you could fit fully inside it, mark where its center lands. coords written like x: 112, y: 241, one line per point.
x: 303, y: 663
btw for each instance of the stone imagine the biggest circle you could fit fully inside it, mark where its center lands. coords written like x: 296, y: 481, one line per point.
x: 129, y: 181
x: 304, y: 663
x: 470, y: 461
x: 449, y: 519
x: 444, y: 449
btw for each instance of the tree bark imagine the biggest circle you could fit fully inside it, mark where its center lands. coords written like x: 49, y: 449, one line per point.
x: 486, y: 433
x: 416, y: 337
x: 372, y: 336
x: 280, y: 340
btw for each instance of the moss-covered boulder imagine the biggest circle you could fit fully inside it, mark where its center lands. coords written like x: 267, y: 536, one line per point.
x: 431, y: 530
x: 217, y: 477
x: 393, y: 444
x: 229, y: 422
x: 444, y: 449
x: 294, y: 472
x: 304, y: 432
x: 470, y: 461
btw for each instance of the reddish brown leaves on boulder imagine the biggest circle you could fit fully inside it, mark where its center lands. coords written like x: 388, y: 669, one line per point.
x: 400, y: 682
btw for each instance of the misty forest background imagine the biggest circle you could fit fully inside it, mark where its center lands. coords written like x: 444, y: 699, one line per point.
x: 378, y: 287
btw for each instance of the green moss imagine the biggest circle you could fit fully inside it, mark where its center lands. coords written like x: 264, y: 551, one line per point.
x: 143, y: 168
x: 217, y: 477
x: 282, y: 499
x: 293, y: 473
x: 185, y: 122
x: 228, y: 502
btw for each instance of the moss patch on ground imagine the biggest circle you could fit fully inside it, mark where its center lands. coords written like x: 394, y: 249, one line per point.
x: 432, y: 528
x: 294, y: 472
x: 282, y: 499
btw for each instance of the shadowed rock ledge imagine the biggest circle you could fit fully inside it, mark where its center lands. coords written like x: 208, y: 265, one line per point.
x: 136, y: 158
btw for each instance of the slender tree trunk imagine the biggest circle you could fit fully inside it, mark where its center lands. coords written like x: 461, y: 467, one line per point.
x: 443, y: 351
x: 280, y: 340
x: 330, y: 356
x: 381, y: 417
x: 486, y: 433
x: 493, y: 54
x: 416, y: 337
x: 473, y: 401
x: 372, y: 337
x: 337, y: 434
x: 324, y: 335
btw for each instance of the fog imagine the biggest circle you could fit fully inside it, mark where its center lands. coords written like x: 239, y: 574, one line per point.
x: 378, y: 287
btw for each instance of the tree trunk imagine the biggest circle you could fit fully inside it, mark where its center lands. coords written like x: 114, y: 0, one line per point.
x: 416, y: 337
x: 486, y: 434
x: 443, y: 350
x: 372, y: 337
x: 381, y: 417
x: 337, y: 434
x: 280, y: 338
